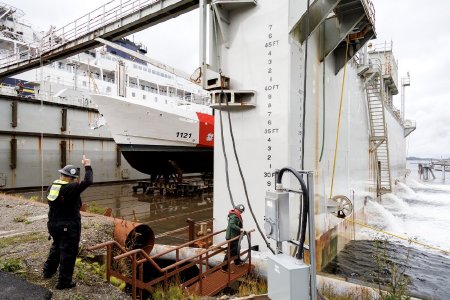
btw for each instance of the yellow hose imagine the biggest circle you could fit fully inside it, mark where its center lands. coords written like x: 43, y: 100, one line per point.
x: 399, y: 237
x: 339, y: 120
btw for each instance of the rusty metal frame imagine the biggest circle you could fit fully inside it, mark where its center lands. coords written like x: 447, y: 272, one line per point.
x: 138, y: 257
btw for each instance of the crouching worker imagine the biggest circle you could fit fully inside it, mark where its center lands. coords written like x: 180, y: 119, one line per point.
x: 234, y: 229
x: 64, y: 222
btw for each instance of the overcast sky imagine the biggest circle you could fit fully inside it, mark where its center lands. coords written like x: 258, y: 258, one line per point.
x: 419, y: 30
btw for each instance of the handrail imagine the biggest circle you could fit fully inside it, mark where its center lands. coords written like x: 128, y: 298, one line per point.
x: 104, y: 15
x: 175, y: 268
x: 189, y: 243
x: 203, y: 252
x: 143, y: 253
x: 105, y: 244
x: 370, y: 12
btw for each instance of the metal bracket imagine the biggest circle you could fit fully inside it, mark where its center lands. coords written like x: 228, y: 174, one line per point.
x: 233, y: 100
x: 377, y: 142
x: 340, y: 206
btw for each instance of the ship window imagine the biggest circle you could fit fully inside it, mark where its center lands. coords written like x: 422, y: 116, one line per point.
x: 108, y: 89
x: 153, y: 72
x: 143, y: 97
x: 84, y: 83
x: 145, y: 69
x: 140, y: 68
x: 156, y: 99
x: 133, y: 94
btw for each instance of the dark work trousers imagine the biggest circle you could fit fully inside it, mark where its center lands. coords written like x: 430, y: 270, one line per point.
x: 64, y: 250
x: 233, y: 252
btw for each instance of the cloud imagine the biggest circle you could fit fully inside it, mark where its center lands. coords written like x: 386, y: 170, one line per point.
x: 421, y: 35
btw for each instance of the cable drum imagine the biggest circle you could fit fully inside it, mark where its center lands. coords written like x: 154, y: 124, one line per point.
x: 244, y: 233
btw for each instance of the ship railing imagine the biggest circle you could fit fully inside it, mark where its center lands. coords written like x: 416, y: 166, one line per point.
x: 102, y: 16
x: 381, y: 47
x: 16, y: 12
x: 370, y: 12
x: 49, y: 97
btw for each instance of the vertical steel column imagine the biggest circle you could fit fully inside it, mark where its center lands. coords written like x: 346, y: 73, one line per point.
x: 312, y: 236
x: 13, y: 164
x: 63, y: 145
x: 118, y: 157
x: 64, y: 119
x: 14, y: 114
x: 202, y: 40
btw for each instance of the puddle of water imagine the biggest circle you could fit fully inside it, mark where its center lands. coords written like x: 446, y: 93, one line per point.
x: 161, y: 212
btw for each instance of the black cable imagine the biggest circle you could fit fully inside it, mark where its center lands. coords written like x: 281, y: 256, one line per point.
x: 304, y: 116
x: 243, y: 179
x: 304, y: 216
x: 223, y: 150
x: 244, y: 233
x: 304, y: 84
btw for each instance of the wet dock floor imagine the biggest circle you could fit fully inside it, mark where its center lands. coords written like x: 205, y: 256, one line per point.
x: 166, y: 215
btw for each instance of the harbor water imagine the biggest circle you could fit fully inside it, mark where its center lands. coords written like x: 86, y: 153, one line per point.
x: 418, y: 211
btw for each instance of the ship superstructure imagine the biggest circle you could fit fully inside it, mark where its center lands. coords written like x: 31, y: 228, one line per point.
x: 116, y: 71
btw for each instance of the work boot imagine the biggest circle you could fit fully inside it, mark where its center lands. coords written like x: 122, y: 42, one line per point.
x: 46, y: 275
x: 63, y: 286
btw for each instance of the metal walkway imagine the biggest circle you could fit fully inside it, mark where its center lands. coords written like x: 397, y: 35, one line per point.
x: 379, y: 144
x: 114, y: 20
x: 209, y: 281
x: 339, y: 21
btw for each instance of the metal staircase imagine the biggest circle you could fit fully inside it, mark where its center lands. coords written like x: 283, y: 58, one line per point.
x: 379, y: 140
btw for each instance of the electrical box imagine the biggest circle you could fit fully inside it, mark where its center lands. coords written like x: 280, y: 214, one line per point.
x: 277, y: 216
x: 287, y: 278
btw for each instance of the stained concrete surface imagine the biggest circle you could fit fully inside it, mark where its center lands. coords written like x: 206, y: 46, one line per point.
x: 14, y: 287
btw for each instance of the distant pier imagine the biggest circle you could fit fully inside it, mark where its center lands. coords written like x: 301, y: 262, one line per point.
x: 427, y: 170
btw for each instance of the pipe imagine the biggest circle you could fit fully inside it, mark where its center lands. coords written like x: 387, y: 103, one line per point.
x: 259, y: 259
x: 134, y: 235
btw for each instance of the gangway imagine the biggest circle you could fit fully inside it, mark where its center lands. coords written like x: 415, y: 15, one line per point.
x: 114, y: 20
x: 209, y: 281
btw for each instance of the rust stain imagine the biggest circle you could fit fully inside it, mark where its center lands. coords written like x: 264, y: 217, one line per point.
x: 40, y: 146
x: 332, y: 241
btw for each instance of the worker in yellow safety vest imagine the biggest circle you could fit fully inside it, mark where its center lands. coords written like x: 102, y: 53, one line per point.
x: 64, y: 222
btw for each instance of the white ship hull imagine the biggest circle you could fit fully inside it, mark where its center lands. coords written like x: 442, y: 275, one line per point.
x: 155, y: 137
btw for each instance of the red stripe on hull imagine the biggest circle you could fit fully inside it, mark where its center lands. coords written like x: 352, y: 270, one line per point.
x: 206, y: 130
